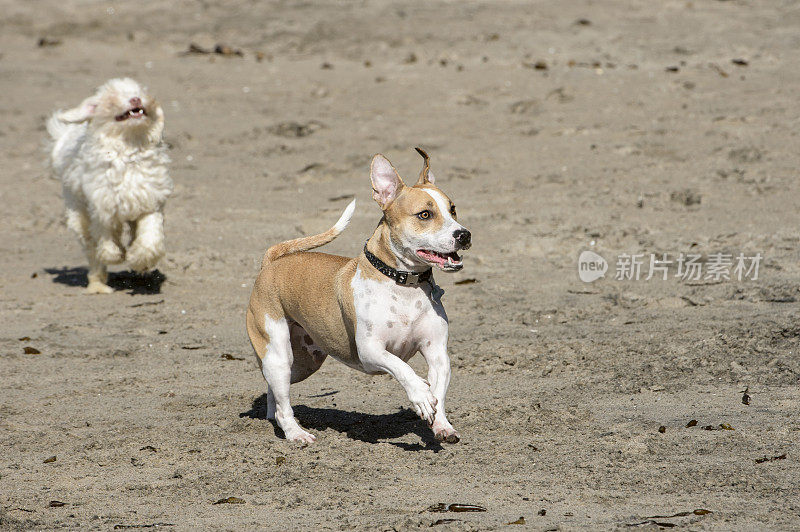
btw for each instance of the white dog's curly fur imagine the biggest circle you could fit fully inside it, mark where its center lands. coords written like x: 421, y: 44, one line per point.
x: 112, y: 163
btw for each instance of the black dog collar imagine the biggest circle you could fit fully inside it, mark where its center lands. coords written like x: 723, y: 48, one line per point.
x: 398, y: 276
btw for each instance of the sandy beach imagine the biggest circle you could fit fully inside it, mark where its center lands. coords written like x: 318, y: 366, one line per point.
x: 625, y: 128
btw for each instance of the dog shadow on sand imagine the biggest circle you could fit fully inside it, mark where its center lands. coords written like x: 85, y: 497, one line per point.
x: 369, y: 428
x: 138, y: 283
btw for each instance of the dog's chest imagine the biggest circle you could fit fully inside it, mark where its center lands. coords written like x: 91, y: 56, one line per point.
x: 133, y: 169
x: 129, y: 181
x: 400, y: 317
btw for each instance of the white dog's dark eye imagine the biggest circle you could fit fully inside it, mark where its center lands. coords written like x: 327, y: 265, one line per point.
x: 424, y: 215
x: 453, y: 210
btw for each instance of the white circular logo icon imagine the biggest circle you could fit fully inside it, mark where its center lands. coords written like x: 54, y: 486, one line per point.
x: 591, y: 266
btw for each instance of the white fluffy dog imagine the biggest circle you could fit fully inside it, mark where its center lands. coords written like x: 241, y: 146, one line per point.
x: 112, y: 163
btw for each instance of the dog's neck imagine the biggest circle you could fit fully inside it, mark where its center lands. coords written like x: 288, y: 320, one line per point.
x: 382, y: 246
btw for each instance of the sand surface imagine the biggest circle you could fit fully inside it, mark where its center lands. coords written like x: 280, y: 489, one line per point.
x: 556, y: 127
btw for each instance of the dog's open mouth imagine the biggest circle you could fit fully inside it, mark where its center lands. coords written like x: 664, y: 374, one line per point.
x: 445, y: 261
x: 136, y: 112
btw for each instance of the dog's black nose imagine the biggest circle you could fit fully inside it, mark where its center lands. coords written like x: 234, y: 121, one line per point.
x: 463, y: 237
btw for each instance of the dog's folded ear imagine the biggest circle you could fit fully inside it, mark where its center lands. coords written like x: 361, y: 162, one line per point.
x: 81, y: 113
x: 386, y: 183
x: 425, y: 176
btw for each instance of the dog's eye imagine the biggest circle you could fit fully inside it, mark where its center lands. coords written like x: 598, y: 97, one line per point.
x: 424, y: 215
x: 453, y: 210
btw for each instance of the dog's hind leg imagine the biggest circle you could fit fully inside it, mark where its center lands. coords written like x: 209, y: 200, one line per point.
x: 259, y: 340
x: 308, y: 357
x: 276, y: 366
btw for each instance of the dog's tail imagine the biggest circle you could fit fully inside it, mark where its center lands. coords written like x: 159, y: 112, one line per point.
x: 309, y: 242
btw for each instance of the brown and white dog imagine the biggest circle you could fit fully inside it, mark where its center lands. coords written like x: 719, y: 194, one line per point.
x: 372, y: 312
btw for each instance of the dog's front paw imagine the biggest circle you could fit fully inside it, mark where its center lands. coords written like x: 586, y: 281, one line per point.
x: 96, y: 287
x: 445, y: 432
x: 142, y: 258
x: 109, y: 253
x: 423, y: 401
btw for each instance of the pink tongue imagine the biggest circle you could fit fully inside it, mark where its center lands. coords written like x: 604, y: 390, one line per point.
x: 431, y: 257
